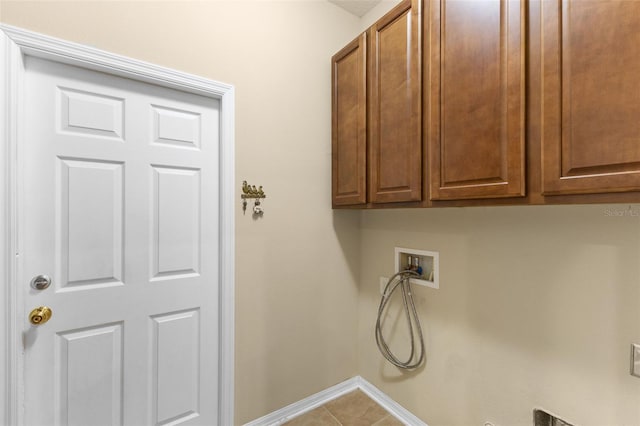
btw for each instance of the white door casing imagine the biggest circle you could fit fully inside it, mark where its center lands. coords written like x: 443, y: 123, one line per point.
x: 97, y: 267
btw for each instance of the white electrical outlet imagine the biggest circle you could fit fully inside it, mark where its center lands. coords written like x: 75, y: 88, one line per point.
x: 635, y: 360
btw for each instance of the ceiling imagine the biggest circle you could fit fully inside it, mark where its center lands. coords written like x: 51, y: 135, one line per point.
x: 357, y: 7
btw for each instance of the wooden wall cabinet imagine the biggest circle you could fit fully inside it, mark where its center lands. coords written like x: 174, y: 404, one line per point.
x: 590, y: 96
x: 523, y: 102
x: 376, y: 113
x: 475, y: 98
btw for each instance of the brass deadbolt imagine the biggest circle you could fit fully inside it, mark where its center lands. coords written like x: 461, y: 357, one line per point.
x: 40, y: 315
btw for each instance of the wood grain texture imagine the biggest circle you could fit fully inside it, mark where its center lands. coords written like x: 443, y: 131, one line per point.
x: 349, y: 124
x: 591, y: 96
x: 570, y: 157
x: 475, y: 102
x: 395, y: 106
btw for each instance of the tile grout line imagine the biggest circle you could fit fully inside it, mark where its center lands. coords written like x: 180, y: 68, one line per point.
x: 331, y: 414
x: 388, y: 416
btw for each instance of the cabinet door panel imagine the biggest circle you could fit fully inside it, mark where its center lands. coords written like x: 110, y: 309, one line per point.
x: 395, y: 108
x: 349, y: 124
x: 475, y: 103
x: 591, y: 96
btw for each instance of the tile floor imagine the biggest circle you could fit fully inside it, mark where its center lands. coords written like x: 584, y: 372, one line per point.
x: 352, y: 409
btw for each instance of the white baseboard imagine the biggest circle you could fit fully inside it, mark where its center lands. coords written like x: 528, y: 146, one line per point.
x: 287, y: 413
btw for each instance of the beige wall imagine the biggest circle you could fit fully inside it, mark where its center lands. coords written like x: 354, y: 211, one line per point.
x: 296, y: 285
x: 376, y: 13
x: 537, y: 307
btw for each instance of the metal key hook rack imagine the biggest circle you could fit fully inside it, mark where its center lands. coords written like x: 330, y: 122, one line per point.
x: 251, y: 192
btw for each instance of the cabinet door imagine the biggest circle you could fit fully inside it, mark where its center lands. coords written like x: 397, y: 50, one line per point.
x: 591, y: 96
x: 474, y: 105
x: 395, y: 107
x: 349, y: 124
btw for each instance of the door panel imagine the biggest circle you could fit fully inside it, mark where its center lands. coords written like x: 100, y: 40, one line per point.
x: 476, y: 99
x: 176, y: 222
x: 176, y: 340
x: 395, y: 106
x: 120, y: 207
x: 95, y: 190
x: 90, y: 358
x: 591, y: 131
x: 91, y: 113
x: 349, y: 124
x: 175, y: 127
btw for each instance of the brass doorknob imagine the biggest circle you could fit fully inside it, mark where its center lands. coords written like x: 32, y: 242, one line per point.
x: 40, y: 315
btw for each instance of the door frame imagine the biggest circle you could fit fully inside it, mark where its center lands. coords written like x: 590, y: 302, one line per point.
x: 15, y: 45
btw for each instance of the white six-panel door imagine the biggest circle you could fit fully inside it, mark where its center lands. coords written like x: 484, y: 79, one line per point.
x: 120, y: 208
